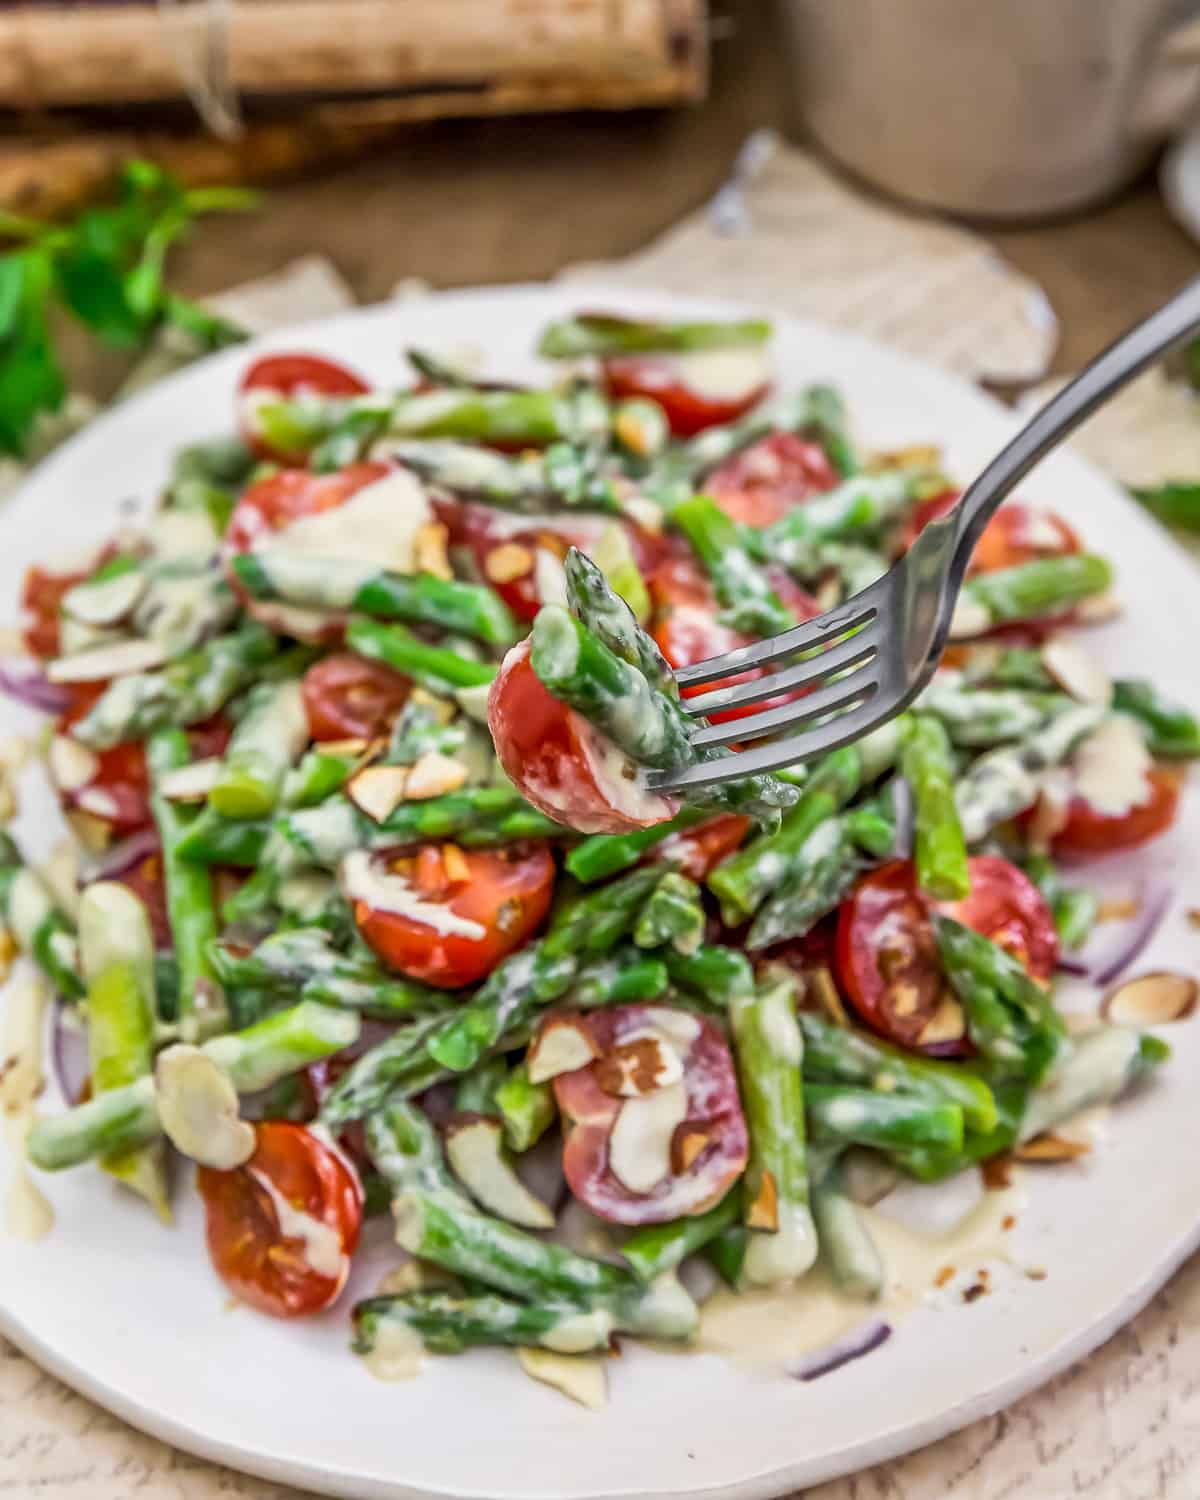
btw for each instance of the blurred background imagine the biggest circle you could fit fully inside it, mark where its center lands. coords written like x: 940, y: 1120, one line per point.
x: 485, y: 141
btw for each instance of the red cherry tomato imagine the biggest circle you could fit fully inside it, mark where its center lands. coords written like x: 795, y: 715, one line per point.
x: 559, y: 763
x: 697, y: 851
x: 280, y: 1272
x: 273, y: 504
x: 770, y: 477
x: 710, y: 1146
x: 687, y: 629
x: 1089, y: 833
x: 348, y: 697
x: 887, y: 958
x: 145, y: 880
x: 503, y: 893
x: 1016, y: 534
x: 41, y: 595
x: 284, y: 376
x: 665, y: 378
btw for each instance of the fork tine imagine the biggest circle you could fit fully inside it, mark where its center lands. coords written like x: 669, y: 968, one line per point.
x: 853, y: 652
x: 794, y: 750
x: 844, y: 693
x: 851, y: 615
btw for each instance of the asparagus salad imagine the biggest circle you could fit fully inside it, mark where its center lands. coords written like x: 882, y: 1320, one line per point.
x: 374, y: 912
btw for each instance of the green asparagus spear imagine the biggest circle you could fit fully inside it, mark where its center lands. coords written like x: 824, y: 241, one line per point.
x: 605, y: 854
x: 865, y: 1117
x: 192, y: 688
x: 565, y: 476
x: 527, y: 1110
x: 37, y: 926
x: 1170, y: 729
x: 475, y: 1092
x: 438, y: 670
x: 846, y: 1244
x: 749, y: 602
x: 597, y: 604
x: 672, y: 916
x: 1175, y: 504
x: 605, y: 335
x: 712, y: 973
x: 817, y: 412
x: 268, y: 739
x: 824, y: 871
x: 327, y: 583
x: 210, y: 838
x: 1010, y: 1018
x: 190, y: 908
x: 1096, y: 1069
x: 861, y: 507
x: 770, y: 1050
x: 116, y: 951
x: 1074, y: 907
x: 513, y: 418
x: 979, y: 718
x: 940, y: 851
x: 448, y: 1323
x: 1028, y: 591
x: 658, y: 1248
x: 624, y: 977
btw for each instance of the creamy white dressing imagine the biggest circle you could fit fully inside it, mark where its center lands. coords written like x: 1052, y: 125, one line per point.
x: 27, y: 1214
x: 584, y: 1378
x: 780, y: 1028
x: 627, y: 794
x: 322, y: 1244
x: 181, y: 533
x: 769, y: 1329
x: 72, y: 765
x: 397, y: 1352
x: 1111, y: 767
x: 378, y: 525
x: 785, y: 1254
x: 363, y: 880
x: 28, y: 907
x: 639, y: 1145
x: 723, y: 374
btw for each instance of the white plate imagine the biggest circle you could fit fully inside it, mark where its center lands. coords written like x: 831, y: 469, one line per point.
x: 132, y: 1315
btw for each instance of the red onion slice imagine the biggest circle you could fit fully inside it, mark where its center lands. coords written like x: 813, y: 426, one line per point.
x: 124, y: 855
x: 1155, y: 904
x: 68, y: 1050
x: 34, y: 690
x: 859, y: 1341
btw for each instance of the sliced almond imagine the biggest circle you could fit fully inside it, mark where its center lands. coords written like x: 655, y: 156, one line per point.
x: 1051, y: 1147
x: 687, y: 1147
x: 1151, y: 999
x: 1077, y: 673
x: 98, y: 801
x: 8, y: 952
x: 549, y: 577
x: 192, y: 783
x: 638, y: 1066
x: 820, y: 985
x: 105, y: 603
x: 582, y: 1377
x: 639, y: 1147
x: 507, y: 562
x: 430, y: 553
x: 378, y: 790
x: 1052, y: 809
x: 1099, y: 609
x: 433, y: 776
x: 198, y: 1107
x: 763, y: 1211
x: 479, y: 1159
x: 474, y: 701
x: 118, y: 660
x: 916, y: 456
x: 947, y: 1024
x: 93, y: 833
x: 970, y: 618
x: 416, y: 1276
x: 72, y: 765
x: 349, y: 748
x: 454, y: 865
x: 563, y: 1044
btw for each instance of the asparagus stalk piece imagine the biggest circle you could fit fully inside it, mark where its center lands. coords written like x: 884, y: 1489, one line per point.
x: 602, y: 610
x: 864, y: 1117
x: 836, y: 1054
x: 190, y: 689
x: 1170, y: 729
x: 823, y: 872
x: 770, y: 1050
x: 749, y: 602
x: 1097, y: 1069
x: 846, y: 1244
x: 563, y: 477
x: 397, y: 1067
x: 979, y: 718
x: 623, y: 978
x: 712, y: 972
x: 476, y: 1091
x: 328, y: 583
x: 940, y: 851
x: 116, y: 952
x: 658, y: 1248
x: 606, y: 335
x: 210, y: 838
x: 266, y: 742
x: 672, y: 916
x: 435, y: 668
x: 448, y: 1323
x: 1028, y: 591
x: 816, y: 411
x: 190, y: 908
x: 605, y: 854
x: 518, y: 418
x: 527, y: 1110
x: 861, y: 507
x: 1010, y: 1018
x: 1074, y: 907
x: 36, y: 925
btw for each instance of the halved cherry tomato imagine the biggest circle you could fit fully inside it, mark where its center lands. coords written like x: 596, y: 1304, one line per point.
x: 764, y: 481
x: 502, y: 894
x: 349, y: 697
x: 887, y: 957
x: 560, y: 763
x: 273, y: 504
x: 710, y: 1145
x: 284, y: 1274
x: 41, y: 595
x: 687, y: 628
x: 1089, y: 833
x: 145, y: 880
x: 283, y: 376
x: 697, y: 851
x: 665, y: 378
x: 1017, y: 533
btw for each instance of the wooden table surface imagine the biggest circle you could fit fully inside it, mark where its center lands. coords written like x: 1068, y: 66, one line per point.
x: 509, y: 200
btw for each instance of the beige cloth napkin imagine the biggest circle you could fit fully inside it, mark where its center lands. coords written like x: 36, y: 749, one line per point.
x: 1124, y: 1425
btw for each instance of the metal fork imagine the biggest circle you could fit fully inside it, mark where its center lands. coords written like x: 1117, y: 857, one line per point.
x: 865, y: 661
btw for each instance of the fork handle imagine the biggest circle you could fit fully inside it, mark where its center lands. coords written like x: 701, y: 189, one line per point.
x: 1174, y: 322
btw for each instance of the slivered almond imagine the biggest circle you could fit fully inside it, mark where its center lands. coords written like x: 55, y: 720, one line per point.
x: 442, y: 707
x: 454, y: 864
x: 637, y: 1067
x: 118, y: 660
x: 105, y: 603
x: 192, y: 783
x: 433, y: 776
x: 1050, y: 1147
x: 688, y: 1145
x: 916, y: 456
x: 563, y: 1044
x: 93, y: 833
x: 639, y: 1144
x: 819, y: 982
x: 479, y: 1159
x: 72, y: 765
x: 430, y: 552
x: 947, y: 1024
x: 1076, y: 673
x: 507, y: 562
x: 347, y: 748
x: 763, y: 1211
x: 378, y: 790
x: 1151, y: 999
x: 1099, y: 609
